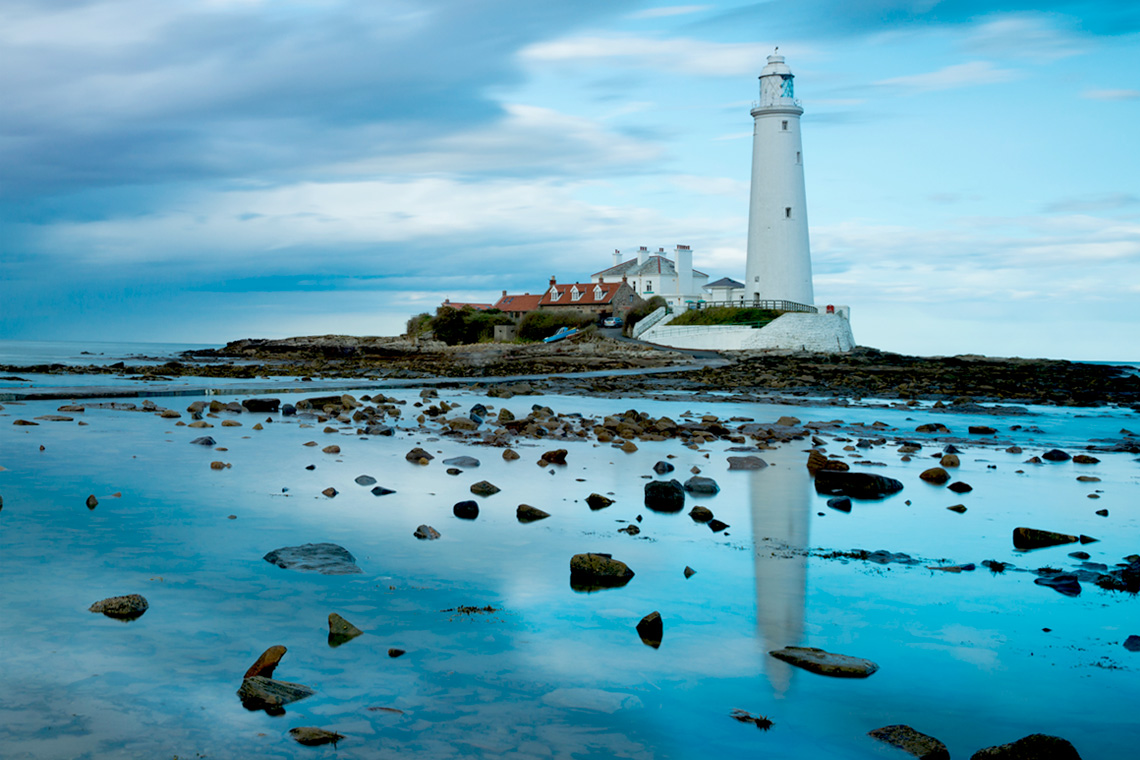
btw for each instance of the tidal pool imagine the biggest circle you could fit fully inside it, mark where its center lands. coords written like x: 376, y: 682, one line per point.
x: 551, y: 672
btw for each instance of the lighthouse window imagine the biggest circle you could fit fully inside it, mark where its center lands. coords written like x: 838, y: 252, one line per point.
x: 784, y: 125
x: 788, y: 212
x: 799, y: 160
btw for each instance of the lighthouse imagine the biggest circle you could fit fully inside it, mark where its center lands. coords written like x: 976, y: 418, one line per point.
x: 779, y: 260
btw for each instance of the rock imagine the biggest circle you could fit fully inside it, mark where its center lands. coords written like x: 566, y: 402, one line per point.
x: 591, y: 572
x: 466, y: 510
x: 960, y: 487
x: 230, y: 423
x: 701, y: 514
x: 510, y: 455
x: 387, y: 430
x: 463, y: 461
x: 629, y: 447
x: 1056, y: 455
x: 258, y: 405
x: 662, y: 467
x: 702, y: 485
x: 326, y: 559
x: 1065, y: 584
x: 25, y: 423
x: 935, y: 475
x: 981, y: 430
x: 267, y: 662
x: 1132, y: 643
x: 1088, y: 479
x: 329, y: 492
x: 1087, y: 539
x: 261, y: 693
x: 332, y: 449
x: 218, y: 465
x: 381, y: 491
x: 959, y: 508
x: 842, y: 503
x: 912, y: 742
x: 631, y: 530
x: 716, y: 526
x: 826, y: 663
x: 596, y: 501
x: 1032, y: 747
x: 426, y: 533
x: 463, y: 423
x: 786, y: 421
x: 528, y: 514
x: 746, y: 463
x: 664, y: 496
x: 126, y: 607
x: 689, y: 572
x: 1102, y: 512
x: 364, y: 480
x: 340, y: 630
x: 484, y: 488
x: 204, y: 441
x: 288, y: 410
x: 949, y: 460
x: 1084, y: 459
x: 557, y: 456
x: 856, y: 485
x: 932, y: 427
x: 1026, y: 539
x: 92, y: 502
x: 394, y: 653
x: 200, y: 424
x: 418, y: 455
x: 311, y: 736
x: 651, y: 629
x: 951, y: 449
x: 196, y: 406
x: 815, y: 461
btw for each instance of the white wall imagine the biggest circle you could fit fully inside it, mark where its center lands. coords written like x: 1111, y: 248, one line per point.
x: 825, y: 333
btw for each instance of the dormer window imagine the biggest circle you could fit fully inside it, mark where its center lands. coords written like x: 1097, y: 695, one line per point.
x: 598, y: 294
x: 554, y: 294
x: 574, y: 294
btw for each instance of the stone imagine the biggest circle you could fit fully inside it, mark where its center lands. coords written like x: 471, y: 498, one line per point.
x: 651, y: 629
x: 25, y: 423
x: 702, y: 485
x: 631, y: 530
x: 311, y: 736
x: 959, y: 508
x: 426, y: 533
x: 288, y: 410
x: 629, y: 447
x: 856, y: 485
x: 267, y: 662
x: 332, y: 449
x: 664, y: 496
x: 662, y: 467
x: 787, y: 421
x: 701, y: 514
x: 1056, y: 455
x: 200, y: 424
x: 1013, y: 450
x: 384, y: 430
x: 842, y: 503
x: 330, y: 492
x: 324, y: 558
x: 260, y: 405
x: 364, y: 480
x: 689, y: 572
x: 230, y: 423
x: 825, y: 663
x: 528, y: 514
x: 381, y: 491
x: 716, y: 526
x: 746, y: 463
x: 484, y: 488
x: 959, y: 487
x: 596, y: 501
x: 463, y: 461
x: 1132, y: 643
x: 981, y: 430
x: 466, y: 510
x: 510, y: 455
x: 932, y: 427
x: 557, y: 456
x: 126, y: 607
x: 1102, y: 512
x: 204, y: 441
x: 218, y: 465
x: 418, y: 455
x: 340, y: 630
x: 1032, y: 747
x: 935, y: 475
x: 92, y: 502
x: 261, y: 693
x: 1026, y: 539
x: 592, y: 572
x: 912, y: 742
x: 394, y: 653
x: 949, y: 460
x: 1064, y: 584
x: 1084, y: 459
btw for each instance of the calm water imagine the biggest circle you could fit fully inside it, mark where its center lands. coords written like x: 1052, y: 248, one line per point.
x: 30, y: 352
x: 553, y: 672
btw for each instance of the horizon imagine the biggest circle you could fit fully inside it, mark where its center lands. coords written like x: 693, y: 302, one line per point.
x: 189, y: 173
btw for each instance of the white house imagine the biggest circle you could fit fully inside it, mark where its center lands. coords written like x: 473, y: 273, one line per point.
x: 653, y: 274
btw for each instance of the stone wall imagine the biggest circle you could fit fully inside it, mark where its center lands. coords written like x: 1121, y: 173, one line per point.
x: 825, y: 333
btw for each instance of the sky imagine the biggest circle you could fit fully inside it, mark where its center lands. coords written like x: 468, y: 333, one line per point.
x: 209, y: 170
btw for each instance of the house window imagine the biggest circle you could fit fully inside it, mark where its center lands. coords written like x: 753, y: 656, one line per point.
x: 554, y: 294
x: 574, y: 294
x: 597, y: 294
x: 648, y: 286
x: 784, y: 125
x: 788, y: 212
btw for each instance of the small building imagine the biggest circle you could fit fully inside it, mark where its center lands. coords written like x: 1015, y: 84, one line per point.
x: 724, y: 290
x: 463, y: 305
x: 517, y: 306
x: 653, y: 274
x: 601, y: 298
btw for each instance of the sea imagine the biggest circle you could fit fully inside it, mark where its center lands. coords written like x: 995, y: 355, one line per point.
x: 502, y: 657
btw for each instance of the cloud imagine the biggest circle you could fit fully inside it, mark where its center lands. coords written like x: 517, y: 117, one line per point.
x: 972, y: 74
x: 1111, y: 94
x: 1026, y: 36
x: 669, y: 10
x: 686, y: 56
x: 1099, y: 203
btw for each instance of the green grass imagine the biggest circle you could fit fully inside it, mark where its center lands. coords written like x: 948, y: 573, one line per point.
x: 725, y: 315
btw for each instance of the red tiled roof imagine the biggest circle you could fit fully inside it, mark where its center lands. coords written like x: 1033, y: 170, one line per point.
x: 586, y: 289
x: 460, y: 305
x: 525, y: 302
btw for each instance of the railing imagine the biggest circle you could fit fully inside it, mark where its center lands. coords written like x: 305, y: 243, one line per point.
x: 757, y: 303
x: 650, y: 320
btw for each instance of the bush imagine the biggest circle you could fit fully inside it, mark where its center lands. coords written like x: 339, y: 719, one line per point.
x: 724, y: 315
x: 640, y: 312
x: 418, y: 325
x: 537, y: 325
x: 460, y: 326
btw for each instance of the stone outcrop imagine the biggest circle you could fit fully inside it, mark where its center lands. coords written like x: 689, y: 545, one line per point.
x: 855, y: 485
x: 912, y: 742
x: 826, y: 663
x: 589, y: 572
x: 326, y: 559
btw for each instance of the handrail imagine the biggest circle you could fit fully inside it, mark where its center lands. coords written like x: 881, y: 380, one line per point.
x: 649, y: 321
x: 757, y: 303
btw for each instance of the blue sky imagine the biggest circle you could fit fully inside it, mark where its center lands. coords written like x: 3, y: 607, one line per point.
x: 209, y: 170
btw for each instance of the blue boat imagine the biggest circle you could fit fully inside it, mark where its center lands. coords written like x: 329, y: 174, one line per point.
x: 563, y: 332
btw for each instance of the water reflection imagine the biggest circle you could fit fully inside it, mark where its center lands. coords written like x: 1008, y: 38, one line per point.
x: 781, y: 504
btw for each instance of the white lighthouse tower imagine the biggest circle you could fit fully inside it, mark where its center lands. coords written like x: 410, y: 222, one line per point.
x: 779, y: 261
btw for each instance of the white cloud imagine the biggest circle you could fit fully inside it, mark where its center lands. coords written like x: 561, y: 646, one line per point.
x: 1023, y: 36
x: 688, y: 56
x: 669, y: 10
x: 972, y: 74
x: 1111, y: 94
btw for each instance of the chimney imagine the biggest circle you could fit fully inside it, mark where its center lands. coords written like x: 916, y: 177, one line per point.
x: 617, y: 257
x: 504, y: 294
x: 601, y: 280
x: 684, y: 264
x: 642, y: 255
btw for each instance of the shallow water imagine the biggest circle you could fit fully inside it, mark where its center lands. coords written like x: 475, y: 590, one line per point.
x: 553, y: 672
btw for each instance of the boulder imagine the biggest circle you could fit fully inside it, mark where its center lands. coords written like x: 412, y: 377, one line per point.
x: 949, y: 460
x: 1055, y: 455
x: 825, y: 663
x: 981, y: 430
x: 484, y: 488
x: 596, y: 501
x: 528, y: 514
x: 1063, y: 584
x: 912, y: 742
x: 716, y: 526
x: 463, y: 461
x: 466, y: 510
x: 418, y: 455
x: 267, y: 662
x: 261, y: 693
x: 381, y: 491
x: 311, y: 736
x: 330, y: 492
x: 510, y: 455
x: 664, y: 496
x: 960, y: 487
x: 259, y: 405
x: 702, y: 485
x: 340, y: 630
x: 856, y: 485
x: 701, y: 514
x: 931, y: 427
x: 787, y: 421
x: 364, y: 480
x: 557, y: 456
x: 379, y: 430
x: 591, y: 572
x: 1026, y: 539
x: 331, y: 449
x: 1132, y: 643
x: 126, y: 607
x: 935, y: 475
x: 651, y: 629
x: 842, y: 503
x: 92, y: 502
x: 662, y: 467
x: 204, y: 441
x: 326, y: 559
x: 689, y: 572
x: 1032, y: 747
x: 746, y: 463
x: 426, y: 533
x: 1084, y: 459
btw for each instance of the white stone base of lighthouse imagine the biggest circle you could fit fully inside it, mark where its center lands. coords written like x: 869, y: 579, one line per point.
x: 821, y: 333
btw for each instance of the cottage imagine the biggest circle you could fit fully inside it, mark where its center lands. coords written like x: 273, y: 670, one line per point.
x: 601, y: 298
